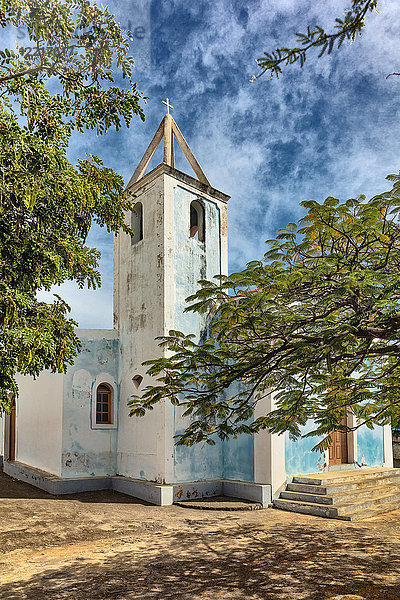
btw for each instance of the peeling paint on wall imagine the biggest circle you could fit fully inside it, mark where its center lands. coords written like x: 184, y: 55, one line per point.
x: 194, y: 260
x: 86, y: 450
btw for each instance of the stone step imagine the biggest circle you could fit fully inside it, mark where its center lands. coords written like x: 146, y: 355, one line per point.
x: 336, y: 486
x: 305, y: 488
x: 337, y: 495
x: 362, y: 504
x: 368, y: 484
x: 350, y: 497
x: 371, y: 512
x: 350, y: 511
x: 345, y: 496
x: 303, y: 480
x: 306, y: 497
x: 341, y: 499
x: 347, y: 476
x: 307, y: 508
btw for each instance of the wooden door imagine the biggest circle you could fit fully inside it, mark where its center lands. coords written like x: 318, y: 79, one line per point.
x: 11, y: 448
x: 338, y: 453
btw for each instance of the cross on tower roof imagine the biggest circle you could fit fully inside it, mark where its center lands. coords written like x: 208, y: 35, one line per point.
x: 168, y: 105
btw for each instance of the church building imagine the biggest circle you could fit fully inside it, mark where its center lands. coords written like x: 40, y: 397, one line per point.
x: 72, y: 432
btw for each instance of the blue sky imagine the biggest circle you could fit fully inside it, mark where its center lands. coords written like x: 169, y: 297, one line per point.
x: 332, y: 128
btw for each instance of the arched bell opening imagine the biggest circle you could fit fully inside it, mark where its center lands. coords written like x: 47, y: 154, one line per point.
x: 197, y: 225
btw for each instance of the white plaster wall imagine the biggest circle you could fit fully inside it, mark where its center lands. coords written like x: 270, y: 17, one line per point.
x: 144, y: 308
x: 387, y: 446
x: 269, y: 451
x: 139, y: 314
x: 39, y: 421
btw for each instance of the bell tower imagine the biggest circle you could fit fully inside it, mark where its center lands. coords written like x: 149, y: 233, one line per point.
x: 180, y: 227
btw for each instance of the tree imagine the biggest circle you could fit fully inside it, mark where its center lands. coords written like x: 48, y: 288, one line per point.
x: 347, y: 28
x: 316, y: 323
x: 47, y: 204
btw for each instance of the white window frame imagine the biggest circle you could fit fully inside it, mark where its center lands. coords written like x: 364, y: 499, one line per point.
x: 107, y: 379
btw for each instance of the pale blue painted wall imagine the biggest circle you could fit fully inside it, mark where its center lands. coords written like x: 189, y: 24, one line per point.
x: 299, y: 457
x: 238, y: 454
x: 85, y: 449
x: 370, y: 446
x: 228, y: 459
x: 194, y: 260
x: 199, y: 462
x: 238, y: 458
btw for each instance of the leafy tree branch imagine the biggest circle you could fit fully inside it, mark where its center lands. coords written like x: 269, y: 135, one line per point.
x: 47, y: 204
x: 347, y: 28
x: 316, y: 324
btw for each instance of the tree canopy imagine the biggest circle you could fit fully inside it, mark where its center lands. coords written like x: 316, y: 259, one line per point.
x: 346, y: 28
x: 316, y: 323
x: 61, y: 80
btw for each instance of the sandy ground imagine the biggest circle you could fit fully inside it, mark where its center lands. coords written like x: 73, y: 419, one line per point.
x: 107, y: 546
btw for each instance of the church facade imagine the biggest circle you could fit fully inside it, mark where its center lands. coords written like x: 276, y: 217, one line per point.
x: 72, y: 432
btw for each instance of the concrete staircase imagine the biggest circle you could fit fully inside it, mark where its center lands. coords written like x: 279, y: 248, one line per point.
x: 347, y: 495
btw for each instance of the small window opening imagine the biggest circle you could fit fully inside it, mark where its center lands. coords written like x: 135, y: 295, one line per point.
x: 137, y: 223
x: 197, y: 221
x: 103, y: 405
x: 137, y: 380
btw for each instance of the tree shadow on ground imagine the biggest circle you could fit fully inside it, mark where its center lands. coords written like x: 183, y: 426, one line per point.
x: 295, y: 562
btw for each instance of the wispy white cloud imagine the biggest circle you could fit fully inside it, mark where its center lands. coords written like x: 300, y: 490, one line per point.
x: 330, y: 129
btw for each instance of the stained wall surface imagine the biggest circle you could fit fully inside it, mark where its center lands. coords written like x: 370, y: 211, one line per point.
x: 195, y: 260
x: 301, y: 459
x: 87, y: 448
x: 140, y: 282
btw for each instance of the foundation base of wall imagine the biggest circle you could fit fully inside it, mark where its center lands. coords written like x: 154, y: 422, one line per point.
x: 256, y: 492
x: 51, y: 483
x: 344, y: 467
x: 154, y: 493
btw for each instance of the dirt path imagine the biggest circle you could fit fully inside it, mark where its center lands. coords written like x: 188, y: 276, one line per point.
x: 106, y: 546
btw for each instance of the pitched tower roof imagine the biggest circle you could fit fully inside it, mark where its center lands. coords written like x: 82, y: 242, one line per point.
x: 168, y: 130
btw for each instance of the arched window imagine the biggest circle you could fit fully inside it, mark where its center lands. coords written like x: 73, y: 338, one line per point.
x: 103, y: 405
x: 137, y: 223
x: 197, y: 221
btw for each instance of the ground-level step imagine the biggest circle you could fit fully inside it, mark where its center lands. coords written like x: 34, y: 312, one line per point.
x: 220, y: 503
x: 332, y: 486
x: 320, y: 510
x: 346, y: 476
x: 343, y: 496
x: 339, y: 496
